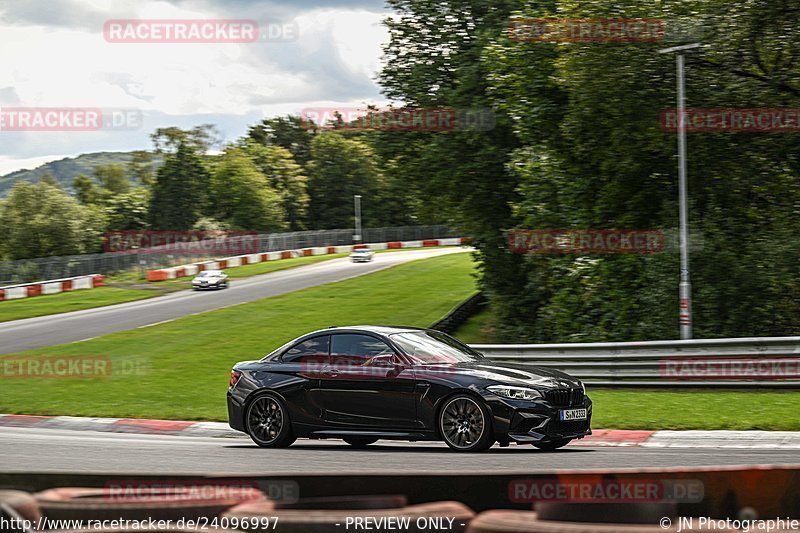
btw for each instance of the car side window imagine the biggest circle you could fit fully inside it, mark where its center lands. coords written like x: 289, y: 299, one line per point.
x: 314, y: 349
x: 359, y: 350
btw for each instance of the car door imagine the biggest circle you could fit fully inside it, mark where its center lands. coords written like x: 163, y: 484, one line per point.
x: 305, y: 361
x: 366, y: 385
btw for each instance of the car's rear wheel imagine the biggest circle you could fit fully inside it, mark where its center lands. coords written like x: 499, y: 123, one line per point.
x: 267, y: 422
x: 553, y: 444
x: 360, y: 442
x: 465, y: 424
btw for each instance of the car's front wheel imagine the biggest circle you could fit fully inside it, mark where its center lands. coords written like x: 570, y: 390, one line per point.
x: 553, y: 444
x: 267, y: 422
x: 465, y: 424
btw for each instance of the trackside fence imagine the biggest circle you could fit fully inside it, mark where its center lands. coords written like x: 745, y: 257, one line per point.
x: 45, y: 268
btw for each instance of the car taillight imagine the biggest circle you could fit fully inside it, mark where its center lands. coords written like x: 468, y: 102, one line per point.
x: 235, y: 375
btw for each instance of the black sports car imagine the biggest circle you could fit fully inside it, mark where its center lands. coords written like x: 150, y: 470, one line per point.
x: 365, y: 383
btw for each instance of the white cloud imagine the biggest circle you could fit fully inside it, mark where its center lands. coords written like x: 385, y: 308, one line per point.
x: 62, y: 60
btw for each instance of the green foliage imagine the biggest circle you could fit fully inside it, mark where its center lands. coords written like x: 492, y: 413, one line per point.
x: 112, y: 178
x: 288, y: 132
x: 127, y: 211
x: 141, y: 166
x: 578, y: 144
x: 180, y: 193
x: 339, y: 169
x: 242, y: 196
x: 285, y: 176
x: 40, y: 219
x: 85, y: 190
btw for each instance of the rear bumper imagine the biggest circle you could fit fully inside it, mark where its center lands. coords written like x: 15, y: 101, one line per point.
x: 235, y: 413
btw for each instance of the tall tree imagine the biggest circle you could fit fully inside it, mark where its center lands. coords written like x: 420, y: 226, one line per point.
x: 242, y: 196
x: 339, y: 169
x: 284, y: 176
x: 41, y: 220
x: 180, y: 192
x: 289, y: 132
x: 112, y: 178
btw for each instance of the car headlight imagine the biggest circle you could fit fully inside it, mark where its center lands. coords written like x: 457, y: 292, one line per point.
x: 515, y: 393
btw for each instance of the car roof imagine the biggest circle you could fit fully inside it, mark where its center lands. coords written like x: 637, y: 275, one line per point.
x: 381, y: 330
x: 212, y: 271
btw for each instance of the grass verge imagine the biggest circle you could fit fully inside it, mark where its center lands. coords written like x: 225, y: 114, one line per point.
x: 69, y: 301
x: 695, y: 409
x: 179, y: 370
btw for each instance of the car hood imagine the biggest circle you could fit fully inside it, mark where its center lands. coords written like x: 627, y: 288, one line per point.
x: 509, y: 373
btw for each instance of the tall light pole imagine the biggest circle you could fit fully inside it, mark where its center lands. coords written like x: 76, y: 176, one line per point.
x: 357, y: 236
x: 685, y: 285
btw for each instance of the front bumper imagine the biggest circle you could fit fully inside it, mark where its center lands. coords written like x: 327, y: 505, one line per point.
x: 536, y: 421
x: 208, y: 285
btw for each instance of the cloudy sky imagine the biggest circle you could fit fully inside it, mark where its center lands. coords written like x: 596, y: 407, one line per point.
x: 53, y: 53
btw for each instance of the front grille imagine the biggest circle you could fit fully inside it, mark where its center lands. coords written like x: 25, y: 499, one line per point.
x: 567, y: 427
x: 564, y: 397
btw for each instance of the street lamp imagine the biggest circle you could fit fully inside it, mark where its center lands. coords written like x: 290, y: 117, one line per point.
x: 685, y: 285
x: 357, y: 236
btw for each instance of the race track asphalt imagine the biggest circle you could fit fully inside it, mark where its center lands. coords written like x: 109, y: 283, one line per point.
x: 48, y: 450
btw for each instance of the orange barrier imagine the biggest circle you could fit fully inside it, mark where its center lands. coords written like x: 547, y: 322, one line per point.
x: 156, y: 275
x: 394, y: 245
x: 98, y: 281
x: 430, y: 242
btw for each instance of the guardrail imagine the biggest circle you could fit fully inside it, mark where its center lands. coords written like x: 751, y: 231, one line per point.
x: 770, y: 362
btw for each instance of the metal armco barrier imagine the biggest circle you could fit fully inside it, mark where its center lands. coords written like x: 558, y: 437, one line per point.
x: 769, y: 362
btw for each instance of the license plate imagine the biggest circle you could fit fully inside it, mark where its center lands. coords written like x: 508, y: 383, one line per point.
x: 573, y: 414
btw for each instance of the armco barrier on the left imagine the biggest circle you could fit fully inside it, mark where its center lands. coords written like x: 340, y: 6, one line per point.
x: 53, y: 286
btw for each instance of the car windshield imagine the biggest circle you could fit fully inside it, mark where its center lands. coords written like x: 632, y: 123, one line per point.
x: 431, y: 348
x: 208, y: 274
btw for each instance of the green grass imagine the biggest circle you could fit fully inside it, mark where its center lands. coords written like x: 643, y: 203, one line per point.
x: 180, y: 369
x: 68, y: 301
x: 477, y: 328
x: 696, y: 409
